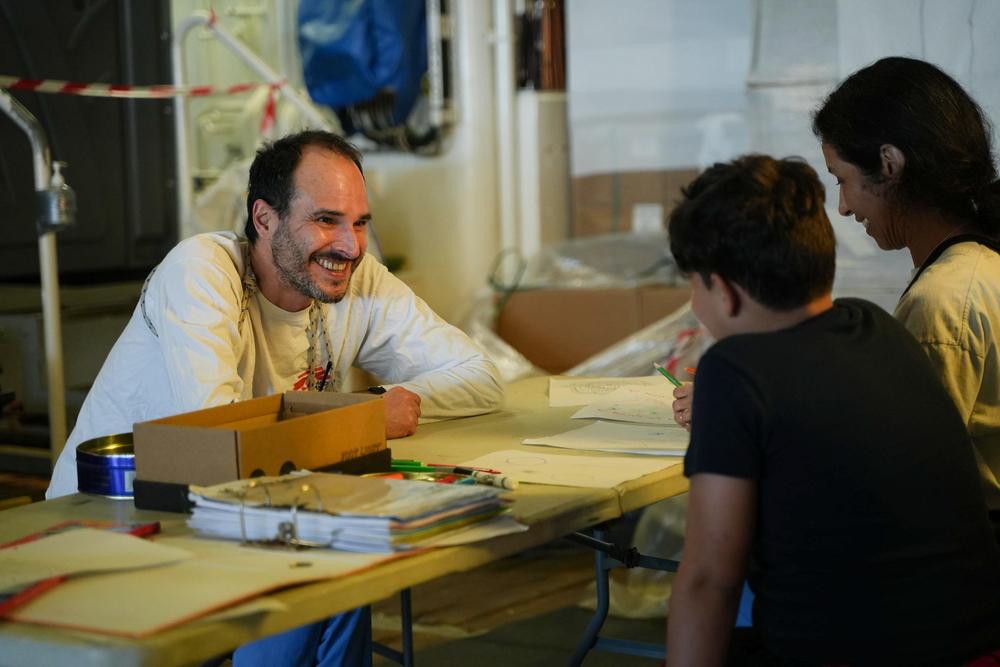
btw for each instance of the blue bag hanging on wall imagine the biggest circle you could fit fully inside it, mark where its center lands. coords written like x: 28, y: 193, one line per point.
x: 355, y: 50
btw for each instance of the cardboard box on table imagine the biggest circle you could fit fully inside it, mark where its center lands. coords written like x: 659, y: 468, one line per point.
x: 272, y: 435
x: 556, y: 329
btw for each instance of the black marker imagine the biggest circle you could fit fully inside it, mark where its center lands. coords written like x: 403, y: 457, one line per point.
x: 326, y: 375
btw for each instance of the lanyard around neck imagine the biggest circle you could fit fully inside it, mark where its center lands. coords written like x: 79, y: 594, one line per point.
x: 316, y: 332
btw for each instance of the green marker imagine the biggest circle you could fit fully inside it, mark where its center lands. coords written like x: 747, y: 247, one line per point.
x: 405, y: 462
x: 396, y: 467
x: 663, y: 371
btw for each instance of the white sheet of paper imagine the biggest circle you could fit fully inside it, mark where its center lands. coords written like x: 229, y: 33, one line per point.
x: 620, y: 438
x: 641, y: 404
x: 79, y: 551
x: 569, y: 391
x: 602, y: 472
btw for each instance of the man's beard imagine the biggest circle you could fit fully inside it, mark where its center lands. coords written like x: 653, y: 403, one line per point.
x: 293, y: 266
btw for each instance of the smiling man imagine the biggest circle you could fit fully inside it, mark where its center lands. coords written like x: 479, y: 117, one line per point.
x: 294, y: 305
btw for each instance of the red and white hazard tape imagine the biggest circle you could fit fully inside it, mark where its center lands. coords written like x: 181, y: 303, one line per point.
x: 126, y: 91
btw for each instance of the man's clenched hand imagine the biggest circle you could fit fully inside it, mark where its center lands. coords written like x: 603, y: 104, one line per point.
x: 402, y: 410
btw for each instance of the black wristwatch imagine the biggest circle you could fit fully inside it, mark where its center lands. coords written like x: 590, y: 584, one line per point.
x: 378, y: 390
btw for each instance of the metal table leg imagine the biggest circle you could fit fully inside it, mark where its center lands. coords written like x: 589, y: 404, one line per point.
x: 405, y: 657
x: 608, y: 555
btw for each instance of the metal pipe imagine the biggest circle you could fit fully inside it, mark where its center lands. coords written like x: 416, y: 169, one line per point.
x: 40, y: 158
x: 52, y: 322
x: 435, y: 63
x: 253, y: 61
x: 48, y: 269
x: 506, y: 120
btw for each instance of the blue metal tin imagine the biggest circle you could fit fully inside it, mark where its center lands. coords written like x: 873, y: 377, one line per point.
x: 106, y: 466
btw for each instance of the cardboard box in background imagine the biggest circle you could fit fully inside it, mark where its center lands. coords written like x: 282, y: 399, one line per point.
x: 556, y: 329
x: 270, y: 436
x: 605, y: 203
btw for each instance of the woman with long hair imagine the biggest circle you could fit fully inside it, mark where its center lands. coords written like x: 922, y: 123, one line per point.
x: 911, y: 152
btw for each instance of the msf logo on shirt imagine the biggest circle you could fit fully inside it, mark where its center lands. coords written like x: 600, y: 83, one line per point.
x: 320, y: 378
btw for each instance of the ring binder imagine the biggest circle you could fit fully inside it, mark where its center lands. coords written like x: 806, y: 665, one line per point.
x: 288, y: 531
x: 319, y: 497
x: 339, y: 511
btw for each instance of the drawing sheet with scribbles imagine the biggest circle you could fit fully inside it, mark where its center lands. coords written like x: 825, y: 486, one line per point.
x: 571, y: 391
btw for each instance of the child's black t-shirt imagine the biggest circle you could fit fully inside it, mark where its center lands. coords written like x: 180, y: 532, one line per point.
x: 873, y: 542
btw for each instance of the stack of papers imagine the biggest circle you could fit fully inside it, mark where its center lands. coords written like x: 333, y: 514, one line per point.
x: 363, y: 514
x: 620, y: 439
x: 637, y: 404
x: 635, y: 416
x: 603, y: 472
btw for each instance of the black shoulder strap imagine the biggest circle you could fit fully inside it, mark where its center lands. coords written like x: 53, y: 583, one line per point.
x: 990, y: 243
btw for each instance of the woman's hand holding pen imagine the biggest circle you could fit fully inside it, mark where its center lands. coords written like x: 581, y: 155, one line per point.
x: 683, y: 396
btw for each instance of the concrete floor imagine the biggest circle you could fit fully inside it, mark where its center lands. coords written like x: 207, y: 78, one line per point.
x: 543, y: 641
x: 525, y: 611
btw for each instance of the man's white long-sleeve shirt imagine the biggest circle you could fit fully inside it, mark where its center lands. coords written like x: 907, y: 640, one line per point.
x: 202, y: 355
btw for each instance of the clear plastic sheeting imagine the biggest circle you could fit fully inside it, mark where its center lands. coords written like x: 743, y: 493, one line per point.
x: 641, y: 592
x: 612, y: 261
x: 222, y: 206
x: 676, y: 341
x: 478, y: 322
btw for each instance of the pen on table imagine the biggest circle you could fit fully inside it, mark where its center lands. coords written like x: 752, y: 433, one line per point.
x: 663, y: 371
x: 413, y: 463
x: 413, y: 467
x: 448, y: 465
x: 482, y: 476
x: 498, y: 480
x: 417, y: 466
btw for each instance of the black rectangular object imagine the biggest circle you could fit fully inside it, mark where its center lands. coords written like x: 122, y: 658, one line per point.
x: 120, y: 152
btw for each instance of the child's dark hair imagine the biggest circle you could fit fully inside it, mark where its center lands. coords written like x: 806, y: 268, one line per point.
x: 941, y: 131
x: 758, y: 222
x: 272, y: 174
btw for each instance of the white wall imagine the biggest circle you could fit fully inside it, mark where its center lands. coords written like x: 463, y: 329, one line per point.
x: 645, y: 76
x: 663, y: 84
x: 960, y: 36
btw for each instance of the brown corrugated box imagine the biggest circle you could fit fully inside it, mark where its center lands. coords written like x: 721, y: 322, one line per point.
x: 270, y: 435
x: 604, y: 203
x: 556, y: 329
